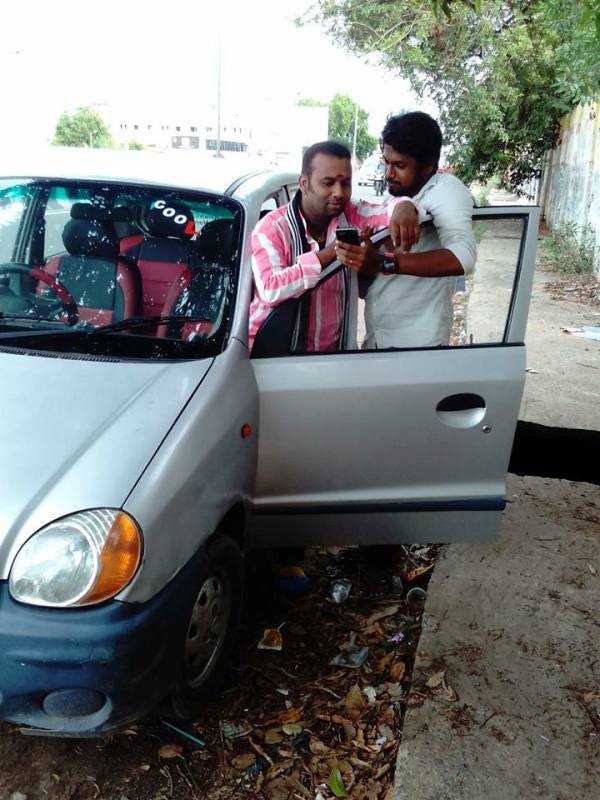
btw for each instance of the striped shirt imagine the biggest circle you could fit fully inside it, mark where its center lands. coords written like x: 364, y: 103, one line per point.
x: 277, y: 278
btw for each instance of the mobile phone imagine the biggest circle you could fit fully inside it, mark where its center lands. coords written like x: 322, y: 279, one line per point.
x: 348, y: 236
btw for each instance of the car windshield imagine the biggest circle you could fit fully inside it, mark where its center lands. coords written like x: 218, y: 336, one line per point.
x: 116, y: 269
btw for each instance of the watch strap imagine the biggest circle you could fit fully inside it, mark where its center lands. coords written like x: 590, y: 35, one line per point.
x: 388, y: 264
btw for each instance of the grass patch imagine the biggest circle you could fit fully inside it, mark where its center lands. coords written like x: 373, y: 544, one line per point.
x: 568, y: 250
x: 482, y: 196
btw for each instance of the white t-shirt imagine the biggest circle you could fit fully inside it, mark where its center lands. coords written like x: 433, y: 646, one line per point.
x: 406, y: 311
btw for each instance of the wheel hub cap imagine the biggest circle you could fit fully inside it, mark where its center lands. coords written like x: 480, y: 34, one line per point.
x: 207, y: 629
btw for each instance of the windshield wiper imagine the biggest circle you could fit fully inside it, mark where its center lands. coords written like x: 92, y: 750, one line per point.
x: 32, y: 317
x: 113, y: 327
x: 140, y: 322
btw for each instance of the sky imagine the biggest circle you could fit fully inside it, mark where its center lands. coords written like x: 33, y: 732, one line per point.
x: 61, y: 54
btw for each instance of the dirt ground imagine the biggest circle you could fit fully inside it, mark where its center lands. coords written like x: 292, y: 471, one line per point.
x: 288, y: 719
x: 514, y: 629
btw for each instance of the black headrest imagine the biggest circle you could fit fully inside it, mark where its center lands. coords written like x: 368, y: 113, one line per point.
x: 90, y: 238
x: 214, y: 239
x: 90, y: 211
x: 84, y: 211
x: 168, y: 218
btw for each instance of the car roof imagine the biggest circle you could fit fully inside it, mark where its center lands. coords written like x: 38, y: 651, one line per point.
x: 181, y: 169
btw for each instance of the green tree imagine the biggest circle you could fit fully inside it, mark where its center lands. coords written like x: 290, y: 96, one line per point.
x: 133, y: 145
x: 342, y: 111
x: 83, y: 128
x: 502, y: 72
x: 308, y: 102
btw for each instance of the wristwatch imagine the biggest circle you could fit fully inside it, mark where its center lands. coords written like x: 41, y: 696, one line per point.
x: 388, y: 264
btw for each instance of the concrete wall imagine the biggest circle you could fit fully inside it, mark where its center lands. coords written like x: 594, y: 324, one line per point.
x: 570, y: 190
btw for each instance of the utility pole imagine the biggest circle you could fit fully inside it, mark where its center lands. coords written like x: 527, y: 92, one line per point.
x: 218, y: 154
x: 354, y: 137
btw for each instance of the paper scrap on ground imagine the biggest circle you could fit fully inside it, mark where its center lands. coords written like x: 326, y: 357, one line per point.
x: 585, y: 332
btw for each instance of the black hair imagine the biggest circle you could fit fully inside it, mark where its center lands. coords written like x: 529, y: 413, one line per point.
x: 329, y: 148
x: 416, y: 134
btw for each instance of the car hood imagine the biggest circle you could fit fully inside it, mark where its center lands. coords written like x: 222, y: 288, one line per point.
x: 77, y: 433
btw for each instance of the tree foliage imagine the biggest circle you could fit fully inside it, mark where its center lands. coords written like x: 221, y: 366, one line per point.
x: 83, y: 128
x: 308, y: 102
x: 342, y: 111
x: 502, y: 72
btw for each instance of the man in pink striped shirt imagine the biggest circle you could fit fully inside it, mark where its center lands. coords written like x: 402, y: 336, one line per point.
x: 292, y: 245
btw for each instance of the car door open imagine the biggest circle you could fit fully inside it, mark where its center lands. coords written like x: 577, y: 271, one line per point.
x: 400, y: 445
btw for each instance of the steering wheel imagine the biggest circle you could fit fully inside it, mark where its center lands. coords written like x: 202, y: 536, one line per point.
x: 67, y: 301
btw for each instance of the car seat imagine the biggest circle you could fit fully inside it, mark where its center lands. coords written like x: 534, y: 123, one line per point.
x: 105, y: 288
x: 199, y: 291
x: 162, y: 253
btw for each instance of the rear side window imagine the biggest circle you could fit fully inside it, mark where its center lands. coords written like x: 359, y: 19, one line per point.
x: 14, y: 201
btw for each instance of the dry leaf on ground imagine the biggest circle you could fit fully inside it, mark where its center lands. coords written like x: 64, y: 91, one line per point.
x: 291, y: 715
x: 271, y: 640
x: 440, y: 688
x: 292, y: 729
x: 384, y: 662
x: 436, y: 679
x: 170, y: 751
x: 388, y: 611
x: 317, y: 747
x: 355, y: 700
x: 397, y: 671
x: 413, y: 574
x: 243, y: 761
x: 273, y: 736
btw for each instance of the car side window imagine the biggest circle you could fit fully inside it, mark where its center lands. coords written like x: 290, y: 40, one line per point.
x: 406, y: 312
x: 453, y: 311
x: 13, y: 201
x: 273, y: 201
x: 270, y: 204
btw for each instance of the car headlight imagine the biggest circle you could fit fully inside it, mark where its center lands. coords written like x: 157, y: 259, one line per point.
x: 78, y: 560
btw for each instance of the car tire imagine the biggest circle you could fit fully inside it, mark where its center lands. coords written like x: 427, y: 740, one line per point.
x: 205, y: 649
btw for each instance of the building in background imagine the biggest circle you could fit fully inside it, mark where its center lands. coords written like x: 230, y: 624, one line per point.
x: 279, y: 140
x: 261, y: 136
x: 178, y: 130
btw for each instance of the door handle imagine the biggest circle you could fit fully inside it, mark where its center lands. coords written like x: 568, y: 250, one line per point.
x: 461, y: 410
x: 461, y: 402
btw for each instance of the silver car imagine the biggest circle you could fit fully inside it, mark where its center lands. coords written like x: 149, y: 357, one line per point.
x: 145, y: 450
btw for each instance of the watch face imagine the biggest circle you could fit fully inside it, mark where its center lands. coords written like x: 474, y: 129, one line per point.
x: 389, y: 266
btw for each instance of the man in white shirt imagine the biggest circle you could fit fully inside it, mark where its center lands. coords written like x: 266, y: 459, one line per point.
x: 409, y: 303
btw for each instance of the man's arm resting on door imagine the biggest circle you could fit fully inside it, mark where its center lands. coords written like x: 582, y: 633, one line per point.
x: 431, y: 264
x: 451, y: 207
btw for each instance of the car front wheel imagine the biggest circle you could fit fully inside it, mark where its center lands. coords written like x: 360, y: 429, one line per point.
x: 209, y: 635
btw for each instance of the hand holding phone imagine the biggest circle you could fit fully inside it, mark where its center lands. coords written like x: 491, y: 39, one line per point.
x: 348, y: 236
x: 356, y: 251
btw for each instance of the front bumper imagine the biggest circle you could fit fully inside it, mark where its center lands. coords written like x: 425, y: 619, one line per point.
x: 89, y: 671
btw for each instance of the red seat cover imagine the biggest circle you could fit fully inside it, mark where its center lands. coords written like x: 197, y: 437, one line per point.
x: 164, y: 272
x: 127, y: 280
